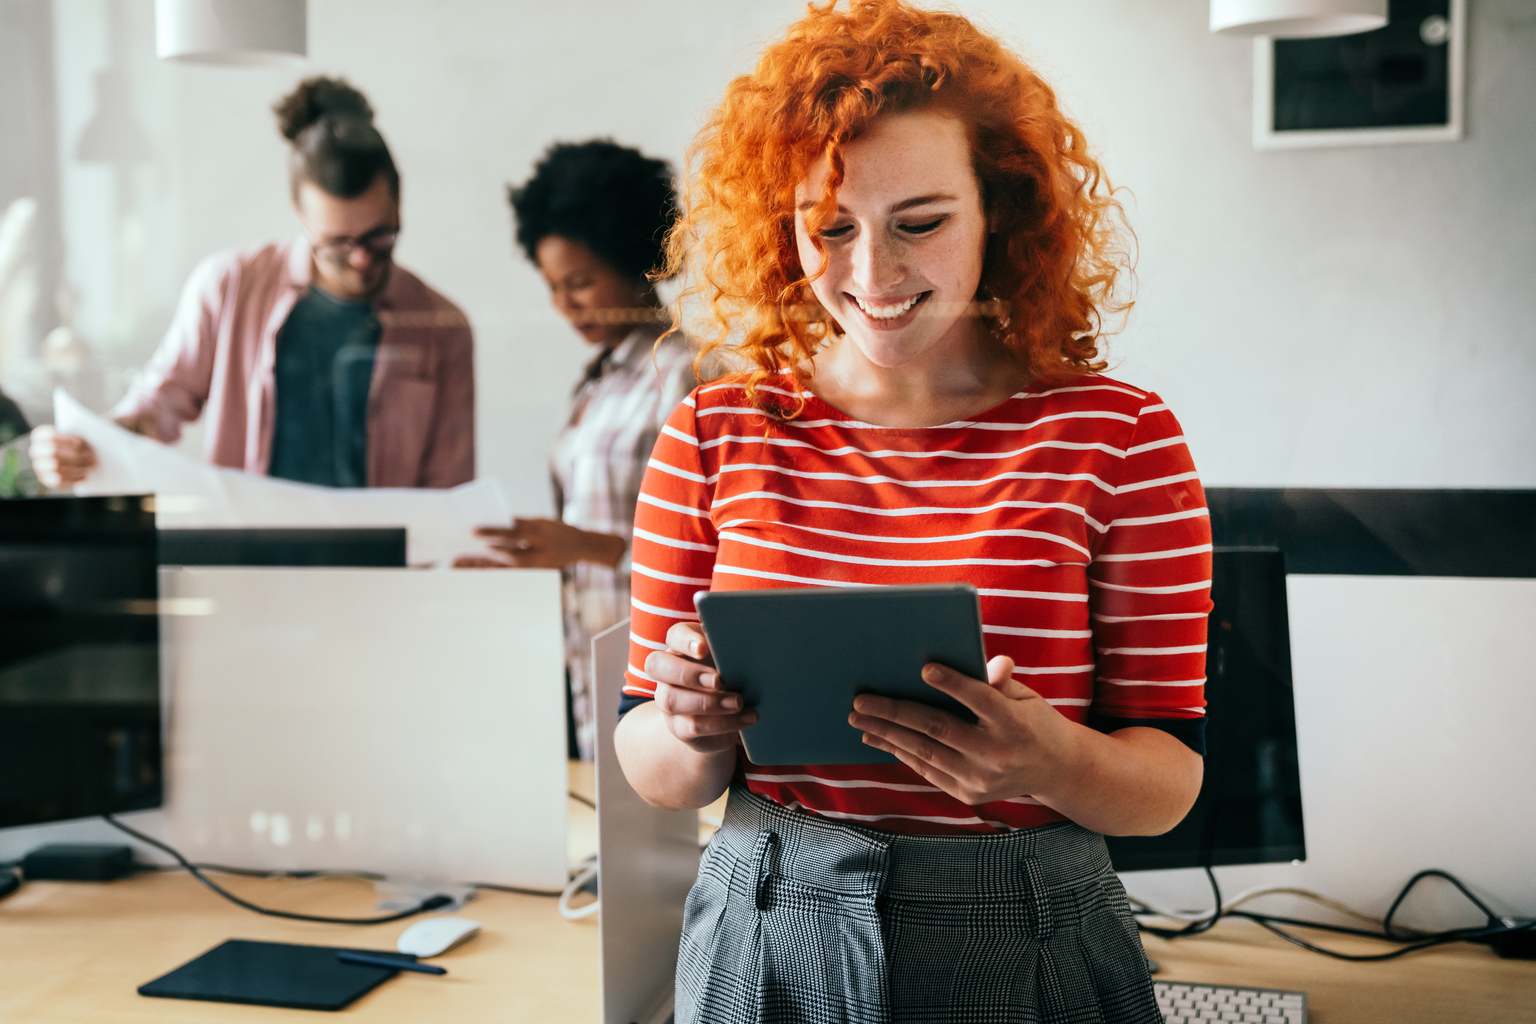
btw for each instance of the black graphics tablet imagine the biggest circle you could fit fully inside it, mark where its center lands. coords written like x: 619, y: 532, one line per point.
x: 273, y: 974
x: 800, y: 657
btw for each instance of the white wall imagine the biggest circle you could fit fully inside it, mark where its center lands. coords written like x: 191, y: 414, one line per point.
x: 1348, y: 317
x: 1329, y: 317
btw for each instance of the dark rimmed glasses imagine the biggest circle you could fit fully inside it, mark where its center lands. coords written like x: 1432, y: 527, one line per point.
x: 378, y: 243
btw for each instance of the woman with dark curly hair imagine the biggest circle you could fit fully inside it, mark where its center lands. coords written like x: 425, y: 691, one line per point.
x: 593, y: 219
x: 910, y: 246
x: 317, y: 359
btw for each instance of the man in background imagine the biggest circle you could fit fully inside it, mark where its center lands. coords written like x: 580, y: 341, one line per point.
x: 318, y: 360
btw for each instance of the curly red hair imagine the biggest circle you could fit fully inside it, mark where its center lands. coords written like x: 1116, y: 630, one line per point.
x: 1055, y: 255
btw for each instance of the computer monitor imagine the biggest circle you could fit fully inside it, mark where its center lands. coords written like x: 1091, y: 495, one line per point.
x: 335, y: 547
x: 1249, y: 808
x: 79, y: 659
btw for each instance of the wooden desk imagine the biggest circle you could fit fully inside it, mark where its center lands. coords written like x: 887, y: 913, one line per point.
x: 1455, y: 984
x: 76, y: 952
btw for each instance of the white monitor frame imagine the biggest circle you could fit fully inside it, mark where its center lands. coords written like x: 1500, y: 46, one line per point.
x: 647, y: 860
x: 408, y: 722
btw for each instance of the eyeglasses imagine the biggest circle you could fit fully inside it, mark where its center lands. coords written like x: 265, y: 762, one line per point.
x: 378, y: 243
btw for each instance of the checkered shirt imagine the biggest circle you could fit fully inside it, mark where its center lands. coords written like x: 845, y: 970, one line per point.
x: 597, y: 463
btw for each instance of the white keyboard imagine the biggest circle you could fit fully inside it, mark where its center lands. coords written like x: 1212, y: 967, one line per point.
x: 1188, y: 1002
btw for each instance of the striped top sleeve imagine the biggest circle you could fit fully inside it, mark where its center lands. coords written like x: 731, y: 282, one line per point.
x: 673, y: 551
x: 1149, y: 587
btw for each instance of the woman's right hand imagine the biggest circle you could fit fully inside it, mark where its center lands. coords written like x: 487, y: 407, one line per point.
x: 60, y: 460
x: 688, y: 695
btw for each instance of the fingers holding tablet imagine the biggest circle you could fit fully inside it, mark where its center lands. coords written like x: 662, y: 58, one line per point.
x: 1018, y: 745
x: 688, y: 639
x: 688, y: 692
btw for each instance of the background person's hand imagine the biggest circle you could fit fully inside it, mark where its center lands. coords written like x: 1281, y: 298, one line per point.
x: 60, y: 460
x: 688, y: 694
x: 543, y: 544
x: 1015, y: 748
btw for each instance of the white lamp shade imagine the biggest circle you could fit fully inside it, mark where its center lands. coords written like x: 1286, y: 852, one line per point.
x: 241, y: 32
x: 1297, y: 19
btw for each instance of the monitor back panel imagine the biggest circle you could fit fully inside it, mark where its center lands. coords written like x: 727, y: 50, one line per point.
x: 649, y: 859
x: 1249, y: 808
x: 335, y: 547
x: 401, y: 721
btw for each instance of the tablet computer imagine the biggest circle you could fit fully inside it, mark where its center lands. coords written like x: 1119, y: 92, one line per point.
x: 800, y: 656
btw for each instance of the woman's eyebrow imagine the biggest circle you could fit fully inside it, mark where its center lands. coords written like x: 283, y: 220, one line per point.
x: 905, y: 204
x: 937, y: 197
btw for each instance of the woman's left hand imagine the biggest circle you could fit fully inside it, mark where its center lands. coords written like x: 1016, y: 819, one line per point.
x: 544, y: 544
x: 1017, y: 747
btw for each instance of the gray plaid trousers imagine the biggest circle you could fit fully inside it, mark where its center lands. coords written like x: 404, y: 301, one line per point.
x: 798, y: 920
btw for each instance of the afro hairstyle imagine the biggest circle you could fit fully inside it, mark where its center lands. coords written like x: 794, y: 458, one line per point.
x: 613, y: 199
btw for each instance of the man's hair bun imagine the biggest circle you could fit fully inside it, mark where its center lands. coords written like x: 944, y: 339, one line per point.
x: 334, y: 142
x: 317, y: 98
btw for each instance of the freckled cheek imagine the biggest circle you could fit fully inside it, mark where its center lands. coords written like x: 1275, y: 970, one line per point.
x: 829, y: 286
x: 954, y: 266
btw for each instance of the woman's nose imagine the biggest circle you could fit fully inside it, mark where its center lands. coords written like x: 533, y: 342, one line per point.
x: 877, y: 265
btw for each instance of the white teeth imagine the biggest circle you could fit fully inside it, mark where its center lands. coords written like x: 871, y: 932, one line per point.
x: 887, y: 312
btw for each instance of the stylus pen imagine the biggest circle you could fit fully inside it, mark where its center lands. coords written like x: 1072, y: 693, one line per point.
x: 346, y: 956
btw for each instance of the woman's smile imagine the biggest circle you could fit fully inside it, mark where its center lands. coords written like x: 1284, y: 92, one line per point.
x: 889, y: 314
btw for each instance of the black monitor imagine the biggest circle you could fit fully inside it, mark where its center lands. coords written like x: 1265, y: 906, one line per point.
x: 370, y: 547
x: 79, y: 659
x: 1249, y: 808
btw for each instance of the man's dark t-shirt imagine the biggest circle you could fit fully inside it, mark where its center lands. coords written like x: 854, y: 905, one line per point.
x: 325, y: 356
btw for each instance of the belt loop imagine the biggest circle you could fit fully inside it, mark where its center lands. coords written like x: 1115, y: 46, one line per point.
x: 760, y: 854
x: 1040, y: 899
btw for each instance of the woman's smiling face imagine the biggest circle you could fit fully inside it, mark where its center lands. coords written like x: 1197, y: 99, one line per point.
x: 904, y: 250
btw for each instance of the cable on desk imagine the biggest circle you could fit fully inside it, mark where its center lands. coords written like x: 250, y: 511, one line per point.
x: 1257, y: 892
x: 301, y: 875
x: 1202, y: 924
x: 584, y: 880
x: 1410, y: 945
x: 581, y: 799
x: 430, y: 903
x: 516, y: 889
x: 312, y: 874
x: 1409, y: 942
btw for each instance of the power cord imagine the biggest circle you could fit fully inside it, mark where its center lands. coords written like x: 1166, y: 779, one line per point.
x: 1195, y: 927
x: 581, y: 878
x: 430, y: 903
x: 1410, y: 942
x: 585, y: 879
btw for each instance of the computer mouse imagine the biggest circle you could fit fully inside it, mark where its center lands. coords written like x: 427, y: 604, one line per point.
x: 436, y: 935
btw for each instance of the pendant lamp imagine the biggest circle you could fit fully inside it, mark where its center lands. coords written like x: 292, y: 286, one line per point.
x: 238, y: 32
x: 1297, y: 19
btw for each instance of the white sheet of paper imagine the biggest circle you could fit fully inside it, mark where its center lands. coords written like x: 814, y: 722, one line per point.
x: 188, y: 493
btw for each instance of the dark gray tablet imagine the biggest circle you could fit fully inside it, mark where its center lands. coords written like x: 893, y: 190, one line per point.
x: 800, y: 656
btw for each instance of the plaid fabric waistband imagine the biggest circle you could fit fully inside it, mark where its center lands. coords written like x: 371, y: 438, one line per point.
x: 853, y: 860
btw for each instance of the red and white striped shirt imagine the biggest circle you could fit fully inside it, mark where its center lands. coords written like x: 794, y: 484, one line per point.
x: 1074, y: 509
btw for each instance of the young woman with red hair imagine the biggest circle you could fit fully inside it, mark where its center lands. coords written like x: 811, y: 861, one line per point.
x: 909, y: 246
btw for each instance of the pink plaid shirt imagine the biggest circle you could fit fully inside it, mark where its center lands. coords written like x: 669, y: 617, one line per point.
x: 219, y: 353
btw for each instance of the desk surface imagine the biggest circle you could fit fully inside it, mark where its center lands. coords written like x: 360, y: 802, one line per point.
x: 1455, y: 984
x: 77, y: 951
